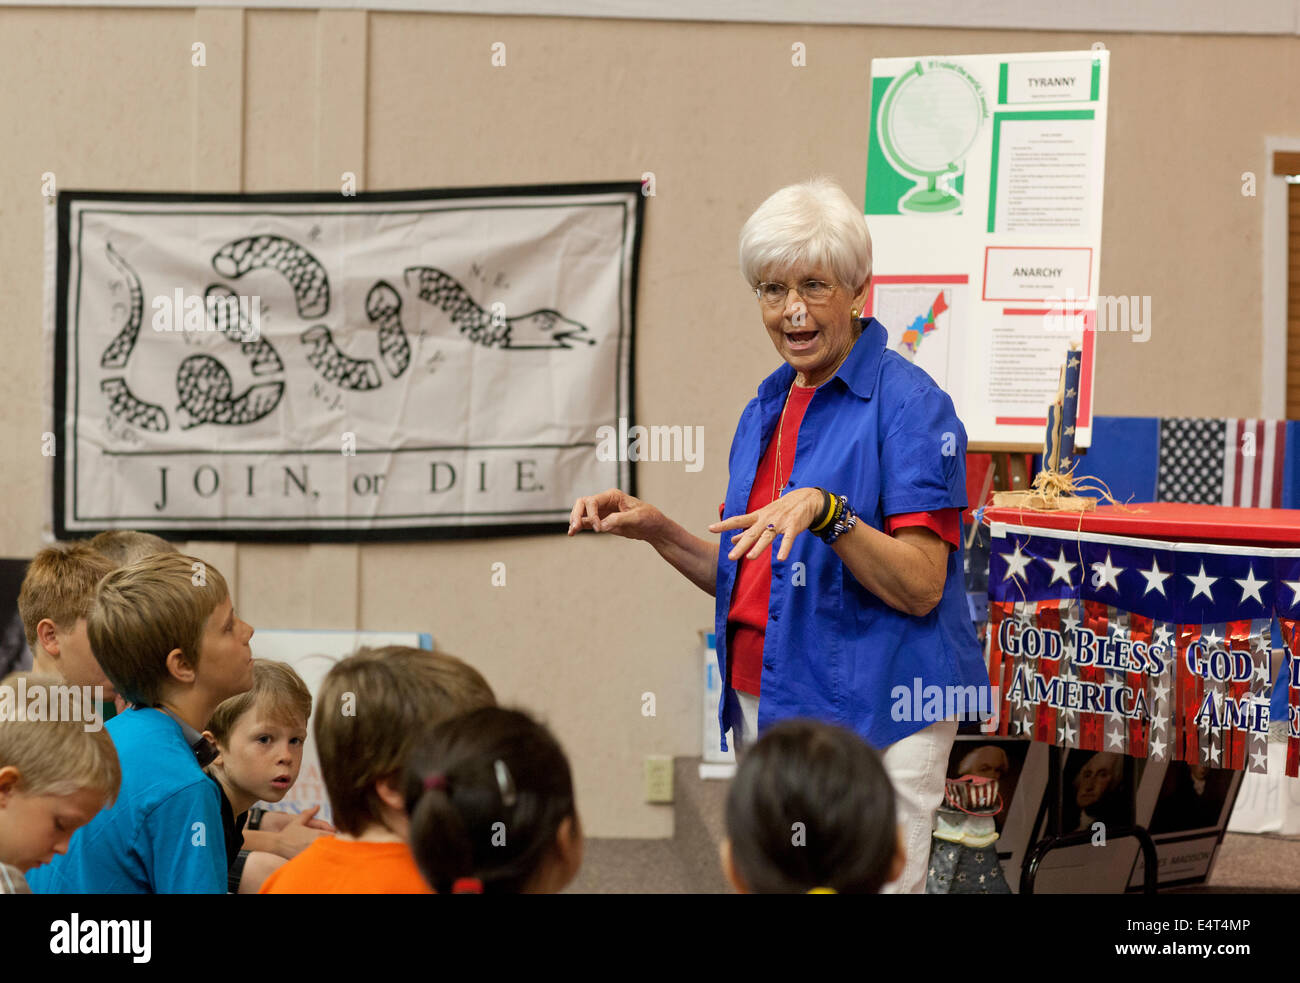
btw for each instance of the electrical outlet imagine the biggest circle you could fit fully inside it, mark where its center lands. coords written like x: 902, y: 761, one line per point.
x: 658, y: 778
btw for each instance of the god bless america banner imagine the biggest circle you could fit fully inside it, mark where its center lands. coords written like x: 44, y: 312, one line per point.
x: 1140, y: 647
x: 326, y: 366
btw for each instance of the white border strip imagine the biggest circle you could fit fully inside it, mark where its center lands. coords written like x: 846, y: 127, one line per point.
x: 1000, y: 530
x: 1102, y: 16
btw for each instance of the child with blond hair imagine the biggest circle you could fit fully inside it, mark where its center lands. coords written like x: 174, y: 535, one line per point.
x: 54, y: 602
x: 124, y: 546
x: 165, y: 632
x: 259, y: 737
x: 57, y: 770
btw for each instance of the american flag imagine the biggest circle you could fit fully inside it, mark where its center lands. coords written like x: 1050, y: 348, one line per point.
x: 1139, y: 647
x: 1221, y: 461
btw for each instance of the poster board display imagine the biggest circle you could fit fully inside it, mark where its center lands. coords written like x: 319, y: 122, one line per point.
x: 984, y: 199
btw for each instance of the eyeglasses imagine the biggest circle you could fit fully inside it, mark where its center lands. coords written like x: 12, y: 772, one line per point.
x: 812, y: 291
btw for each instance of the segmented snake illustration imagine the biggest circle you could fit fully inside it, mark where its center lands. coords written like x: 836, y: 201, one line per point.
x: 384, y: 308
x: 121, y: 401
x: 535, y: 330
x: 204, y: 385
x: 230, y: 320
x: 311, y: 287
x: 119, y: 349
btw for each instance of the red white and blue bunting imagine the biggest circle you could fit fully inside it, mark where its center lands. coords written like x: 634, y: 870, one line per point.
x: 1146, y: 648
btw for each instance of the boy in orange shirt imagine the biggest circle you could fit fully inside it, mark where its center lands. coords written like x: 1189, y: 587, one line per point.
x: 372, y: 709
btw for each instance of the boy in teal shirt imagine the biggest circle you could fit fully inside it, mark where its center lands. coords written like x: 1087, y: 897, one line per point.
x: 165, y: 632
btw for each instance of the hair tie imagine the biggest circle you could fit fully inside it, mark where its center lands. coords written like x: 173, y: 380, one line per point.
x: 436, y: 780
x: 466, y: 885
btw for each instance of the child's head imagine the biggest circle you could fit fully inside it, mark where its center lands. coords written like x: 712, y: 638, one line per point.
x: 125, y: 546
x: 490, y: 798
x: 811, y: 807
x: 371, y: 709
x: 260, y: 734
x: 165, y: 625
x: 54, y: 774
x: 54, y: 603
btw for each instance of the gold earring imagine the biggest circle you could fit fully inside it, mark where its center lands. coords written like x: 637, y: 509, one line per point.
x: 856, y: 312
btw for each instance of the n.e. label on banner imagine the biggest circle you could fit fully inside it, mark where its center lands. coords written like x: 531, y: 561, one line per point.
x: 317, y: 366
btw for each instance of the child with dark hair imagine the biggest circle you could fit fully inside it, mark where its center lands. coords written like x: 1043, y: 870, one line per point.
x: 811, y: 810
x: 490, y: 798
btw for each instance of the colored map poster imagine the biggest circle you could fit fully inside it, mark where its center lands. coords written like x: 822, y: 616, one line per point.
x: 921, y: 318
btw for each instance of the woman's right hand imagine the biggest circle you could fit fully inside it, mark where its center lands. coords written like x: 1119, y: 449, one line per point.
x: 616, y: 512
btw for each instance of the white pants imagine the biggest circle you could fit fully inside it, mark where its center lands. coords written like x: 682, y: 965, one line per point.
x: 916, y: 765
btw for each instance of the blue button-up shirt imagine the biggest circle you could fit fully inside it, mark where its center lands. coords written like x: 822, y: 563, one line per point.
x: 883, y: 434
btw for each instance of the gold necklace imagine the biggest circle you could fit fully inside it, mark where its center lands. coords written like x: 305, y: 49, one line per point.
x: 780, y: 432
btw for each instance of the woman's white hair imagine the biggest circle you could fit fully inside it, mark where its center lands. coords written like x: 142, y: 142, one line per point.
x: 808, y: 224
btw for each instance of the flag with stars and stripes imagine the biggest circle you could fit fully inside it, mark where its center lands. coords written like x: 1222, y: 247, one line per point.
x: 1141, y: 647
x: 1221, y: 461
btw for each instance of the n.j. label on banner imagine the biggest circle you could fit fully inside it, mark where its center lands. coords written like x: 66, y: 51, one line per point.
x: 317, y: 366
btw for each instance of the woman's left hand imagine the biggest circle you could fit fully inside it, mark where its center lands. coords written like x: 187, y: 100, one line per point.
x: 787, y: 517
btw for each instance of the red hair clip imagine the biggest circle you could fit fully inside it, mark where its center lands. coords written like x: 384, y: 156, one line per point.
x: 467, y: 885
x: 436, y: 780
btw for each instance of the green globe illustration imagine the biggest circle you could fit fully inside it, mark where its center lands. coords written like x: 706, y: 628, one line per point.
x: 928, y: 120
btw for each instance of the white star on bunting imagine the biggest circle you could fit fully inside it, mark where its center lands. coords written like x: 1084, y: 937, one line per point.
x: 1157, y: 748
x: 1061, y: 568
x: 1250, y: 586
x: 1107, y: 573
x: 1295, y: 591
x: 1155, y: 578
x: 1201, y: 583
x: 1258, y: 762
x: 1016, y: 563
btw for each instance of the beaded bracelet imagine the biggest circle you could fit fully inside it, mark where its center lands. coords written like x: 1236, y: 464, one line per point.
x: 843, y: 519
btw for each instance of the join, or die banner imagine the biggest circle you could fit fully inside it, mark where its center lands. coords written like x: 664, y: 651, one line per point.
x: 328, y: 366
x: 1139, y: 647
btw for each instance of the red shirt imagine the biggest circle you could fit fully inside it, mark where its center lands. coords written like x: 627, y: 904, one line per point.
x: 747, y: 617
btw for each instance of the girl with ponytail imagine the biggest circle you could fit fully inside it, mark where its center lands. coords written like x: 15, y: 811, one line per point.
x: 490, y: 798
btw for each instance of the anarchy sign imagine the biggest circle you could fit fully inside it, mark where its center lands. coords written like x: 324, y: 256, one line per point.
x: 338, y: 366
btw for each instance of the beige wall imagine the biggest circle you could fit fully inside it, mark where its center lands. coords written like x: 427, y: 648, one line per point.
x: 107, y: 99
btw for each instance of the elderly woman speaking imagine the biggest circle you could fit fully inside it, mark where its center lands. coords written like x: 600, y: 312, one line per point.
x: 852, y: 460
